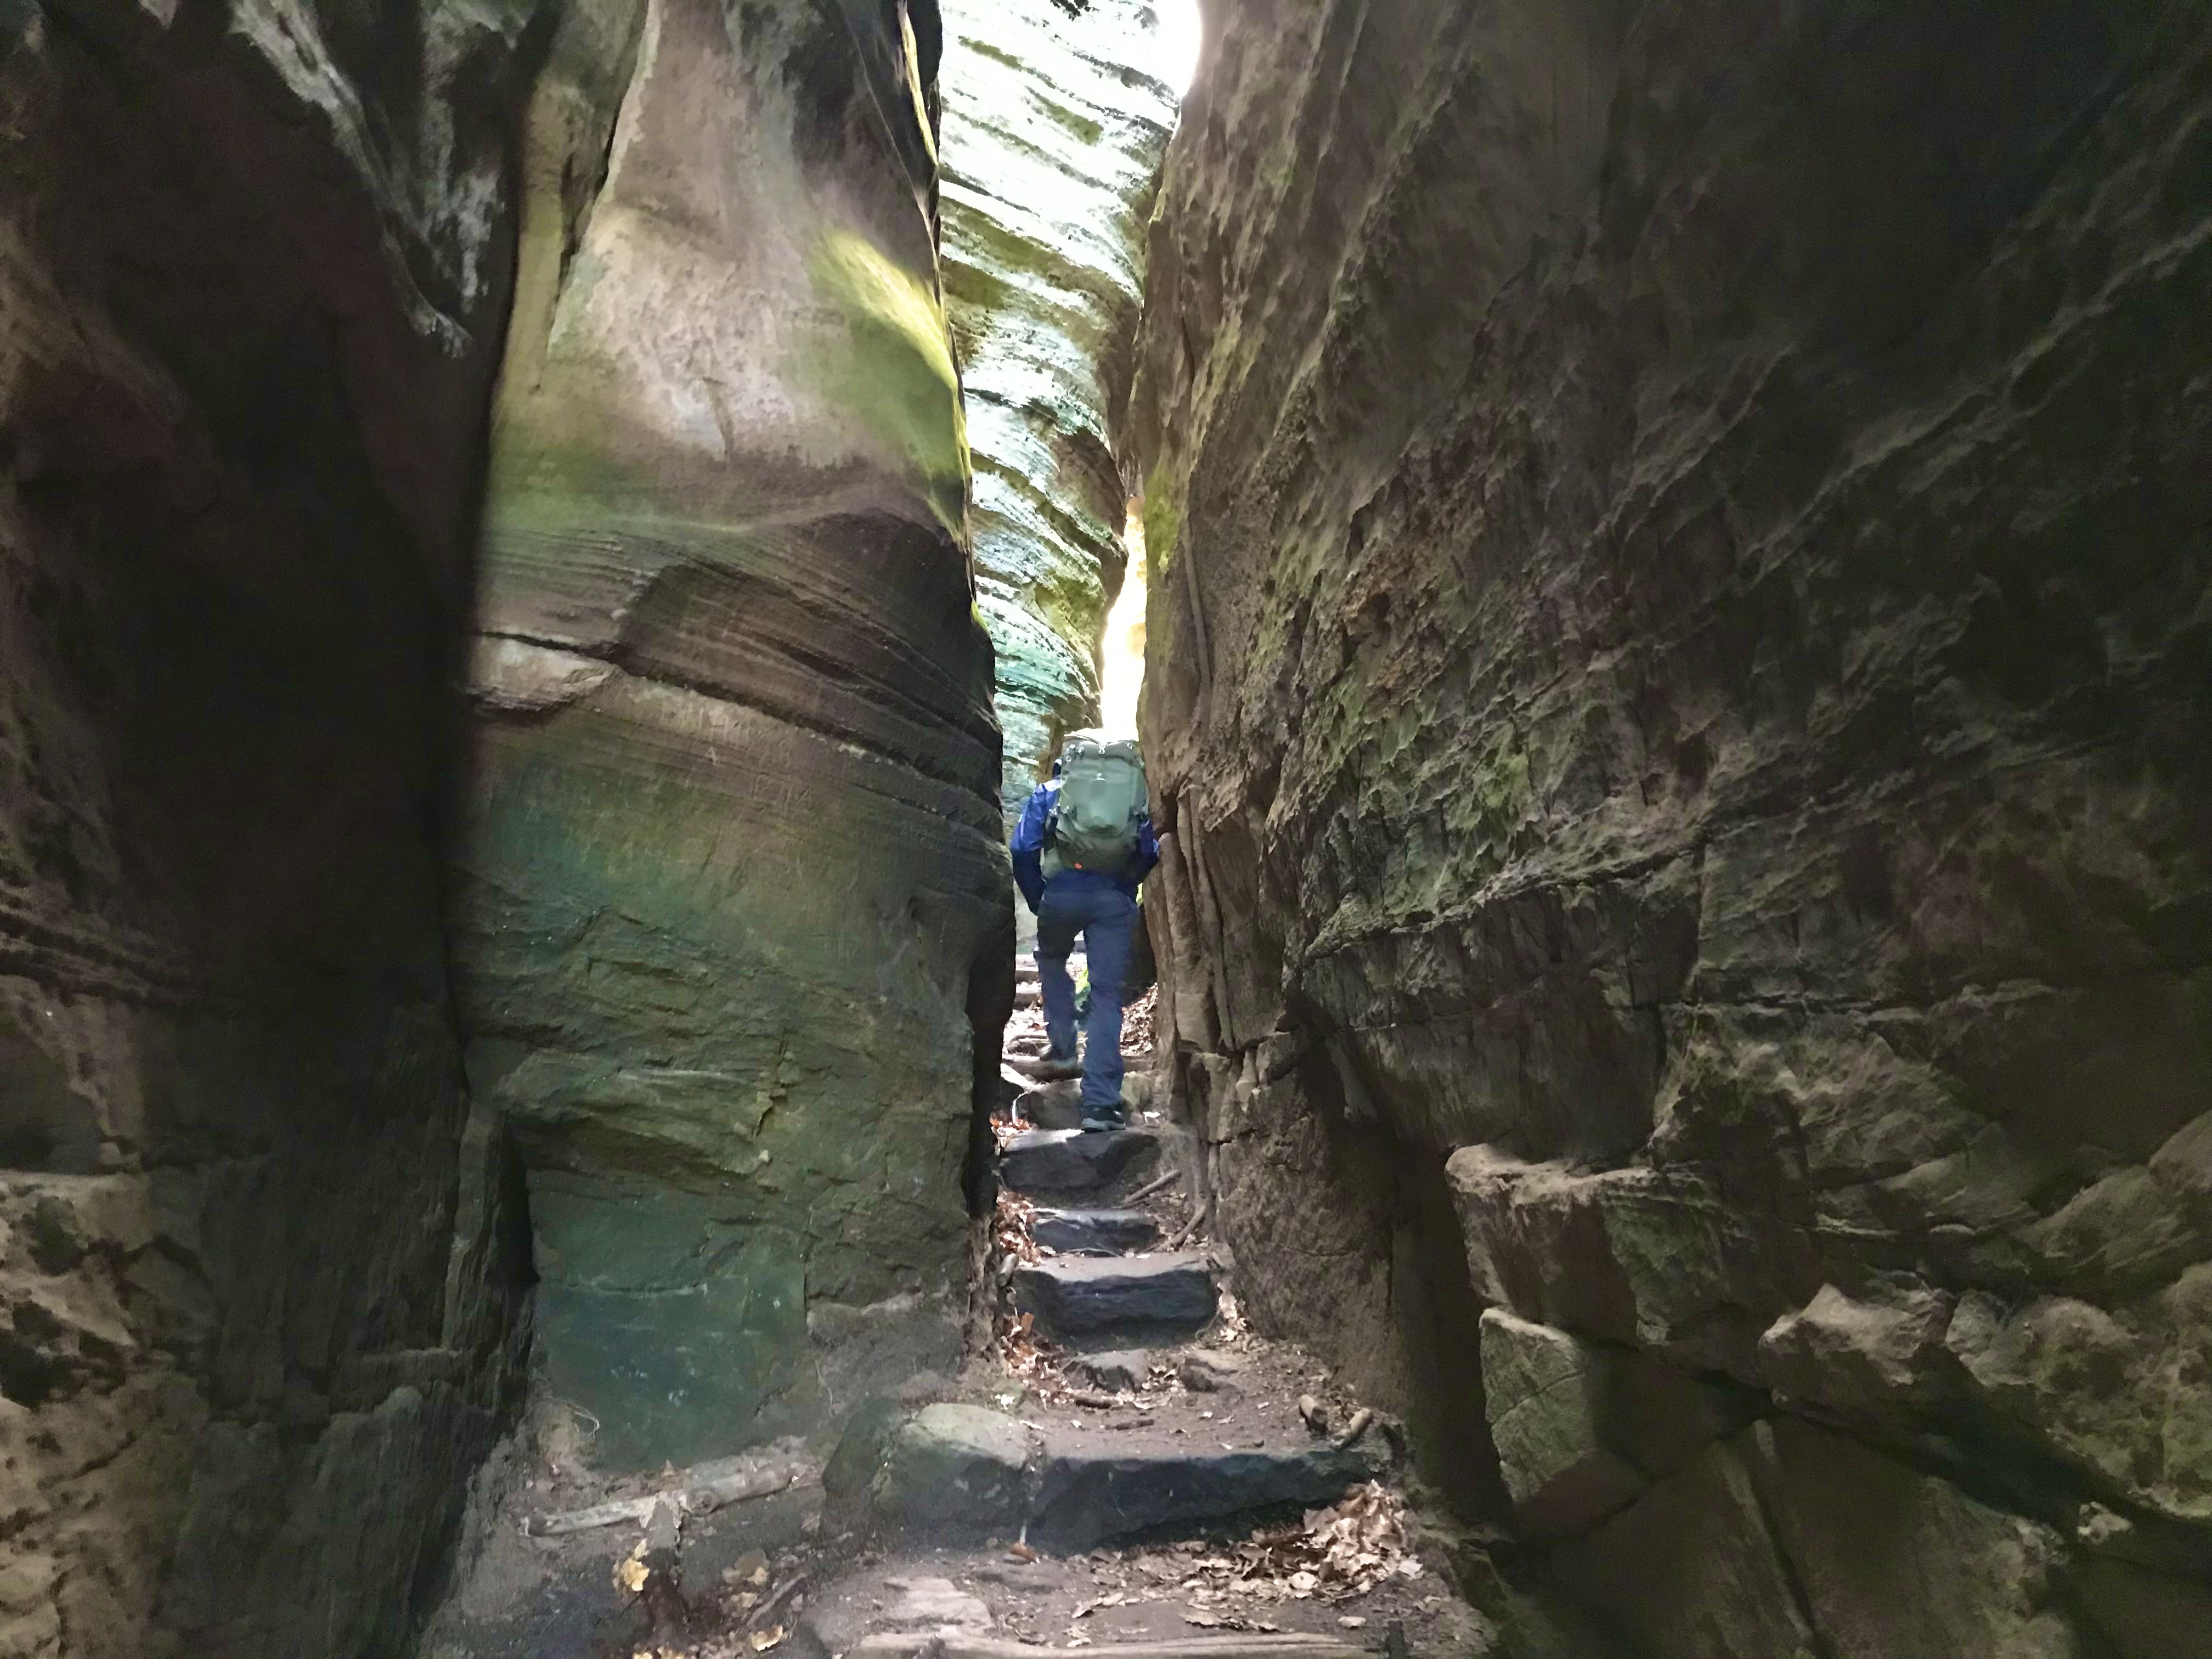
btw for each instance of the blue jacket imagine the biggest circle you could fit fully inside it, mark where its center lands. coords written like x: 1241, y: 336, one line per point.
x: 1029, y: 852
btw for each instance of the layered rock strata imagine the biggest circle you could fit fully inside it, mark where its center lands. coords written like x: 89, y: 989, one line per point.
x: 734, y: 903
x: 1678, y: 619
x: 1054, y: 129
x: 260, y: 1280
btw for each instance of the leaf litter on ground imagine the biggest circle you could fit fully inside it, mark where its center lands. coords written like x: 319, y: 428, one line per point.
x: 1336, y: 1554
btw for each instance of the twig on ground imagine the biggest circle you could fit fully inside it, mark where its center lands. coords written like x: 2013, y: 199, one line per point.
x: 1152, y: 1187
x: 784, y: 1592
x: 1190, y: 1228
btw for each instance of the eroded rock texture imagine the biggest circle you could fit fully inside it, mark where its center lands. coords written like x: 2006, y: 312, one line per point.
x: 259, y: 1285
x: 1054, y: 129
x: 1679, y: 642
x: 733, y: 896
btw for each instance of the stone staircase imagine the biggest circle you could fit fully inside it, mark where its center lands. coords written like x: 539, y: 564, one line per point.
x: 1133, y: 1460
x: 1129, y: 1413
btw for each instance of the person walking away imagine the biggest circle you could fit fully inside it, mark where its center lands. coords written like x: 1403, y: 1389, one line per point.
x: 1083, y: 844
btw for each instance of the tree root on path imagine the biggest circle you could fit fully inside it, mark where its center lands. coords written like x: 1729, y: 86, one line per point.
x: 952, y: 1645
x: 692, y: 1498
x: 1152, y: 1187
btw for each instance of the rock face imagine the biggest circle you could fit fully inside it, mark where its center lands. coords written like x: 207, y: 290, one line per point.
x: 733, y: 901
x: 260, y: 1279
x: 1679, y: 616
x: 1054, y: 129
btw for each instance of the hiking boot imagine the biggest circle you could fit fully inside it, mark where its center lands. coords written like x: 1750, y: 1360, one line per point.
x: 1103, y: 1119
x: 1051, y: 1068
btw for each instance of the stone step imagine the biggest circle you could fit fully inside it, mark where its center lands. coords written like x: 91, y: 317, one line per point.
x: 1092, y: 1485
x: 1118, y: 1301
x: 1095, y: 1232
x: 1045, y: 1163
x: 966, y: 1472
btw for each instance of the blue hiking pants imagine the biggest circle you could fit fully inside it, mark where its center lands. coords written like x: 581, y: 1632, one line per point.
x: 1107, y: 918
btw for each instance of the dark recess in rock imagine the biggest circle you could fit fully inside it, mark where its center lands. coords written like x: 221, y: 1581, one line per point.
x: 264, y: 1282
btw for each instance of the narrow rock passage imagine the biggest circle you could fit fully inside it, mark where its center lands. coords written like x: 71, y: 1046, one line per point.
x: 1668, y: 552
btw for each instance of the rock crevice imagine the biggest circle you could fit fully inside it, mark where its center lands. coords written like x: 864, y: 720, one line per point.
x: 1052, y: 133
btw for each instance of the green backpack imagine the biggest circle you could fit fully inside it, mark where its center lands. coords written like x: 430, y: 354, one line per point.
x: 1101, y: 802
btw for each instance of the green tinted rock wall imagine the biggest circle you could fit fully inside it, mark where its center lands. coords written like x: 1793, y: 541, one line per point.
x: 732, y: 879
x: 1054, y: 128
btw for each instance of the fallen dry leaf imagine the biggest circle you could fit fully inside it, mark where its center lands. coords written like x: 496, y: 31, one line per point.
x: 1336, y: 1554
x: 761, y: 1640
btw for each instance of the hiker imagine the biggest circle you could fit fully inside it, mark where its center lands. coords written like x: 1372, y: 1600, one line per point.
x: 1084, y: 842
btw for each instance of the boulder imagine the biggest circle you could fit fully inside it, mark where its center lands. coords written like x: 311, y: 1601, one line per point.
x: 1638, y: 1256
x: 1791, y: 1539
x: 1582, y: 1429
x: 2144, y: 1613
x: 1690, y: 1571
x: 2118, y: 1393
x: 1870, y: 1359
x: 1545, y: 1394
x: 956, y: 1472
x: 1052, y: 1105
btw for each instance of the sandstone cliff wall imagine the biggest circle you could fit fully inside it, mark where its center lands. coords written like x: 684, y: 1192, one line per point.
x: 1053, y: 129
x: 1678, y: 641
x: 259, y: 1288
x: 733, y: 901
